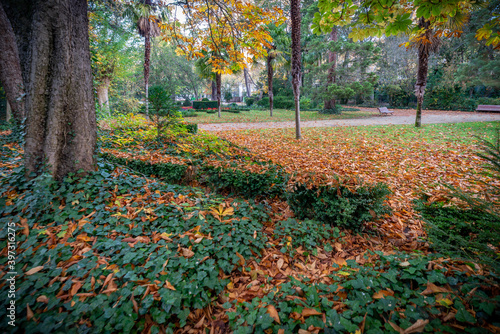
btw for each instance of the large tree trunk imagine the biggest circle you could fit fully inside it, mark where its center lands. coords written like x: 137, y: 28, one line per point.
x: 423, y: 67
x: 296, y: 61
x: 103, y: 95
x: 270, y: 75
x: 147, y: 56
x: 332, y: 60
x: 247, y: 81
x: 61, y: 125
x: 10, y: 68
x: 214, y: 90
x: 218, y: 79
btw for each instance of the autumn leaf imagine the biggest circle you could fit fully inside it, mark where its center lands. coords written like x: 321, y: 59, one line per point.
x: 382, y: 294
x: 29, y: 312
x: 186, y: 252
x: 168, y: 285
x: 433, y: 288
x: 271, y: 310
x: 33, y: 270
x: 307, y: 312
x: 220, y: 211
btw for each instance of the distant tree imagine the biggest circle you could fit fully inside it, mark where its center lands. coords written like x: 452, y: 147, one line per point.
x: 295, y: 17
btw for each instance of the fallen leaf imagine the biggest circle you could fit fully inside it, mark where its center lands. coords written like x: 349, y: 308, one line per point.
x: 29, y: 312
x: 33, y: 270
x: 416, y: 327
x: 307, y: 312
x: 168, y: 285
x: 433, y: 288
x: 382, y: 294
x: 273, y: 313
x: 186, y: 252
x: 42, y: 299
x: 280, y: 263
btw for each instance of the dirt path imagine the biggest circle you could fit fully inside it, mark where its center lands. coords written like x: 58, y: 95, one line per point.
x: 399, y: 117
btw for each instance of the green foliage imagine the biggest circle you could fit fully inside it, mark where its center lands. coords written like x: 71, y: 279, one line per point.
x: 463, y: 232
x: 164, y: 112
x: 189, y: 113
x: 192, y: 128
x: 167, y: 171
x: 249, y: 101
x: 228, y: 96
x: 264, y: 102
x: 186, y: 103
x: 335, y: 111
x: 205, y: 104
x: 279, y: 102
x: 105, y: 200
x: 307, y: 234
x: 339, y: 205
x: 402, y: 277
x: 205, y: 99
x: 271, y: 182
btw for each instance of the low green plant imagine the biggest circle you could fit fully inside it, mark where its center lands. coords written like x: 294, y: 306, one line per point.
x: 186, y: 103
x: 249, y: 101
x: 271, y: 182
x: 335, y: 111
x: 192, y: 128
x: 205, y: 104
x: 391, y: 292
x: 308, y: 234
x: 339, y: 205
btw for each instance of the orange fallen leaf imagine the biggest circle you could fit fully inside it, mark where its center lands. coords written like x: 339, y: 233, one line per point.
x: 273, y: 313
x: 382, y: 294
x: 307, y: 312
x: 433, y: 288
x: 33, y: 270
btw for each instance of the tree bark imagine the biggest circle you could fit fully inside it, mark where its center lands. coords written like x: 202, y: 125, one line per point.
x: 214, y: 90
x: 147, y: 56
x: 103, y: 95
x: 8, y: 112
x: 218, y: 79
x: 10, y: 68
x: 423, y: 68
x: 270, y: 75
x: 296, y: 61
x: 247, y: 81
x: 332, y: 60
x: 61, y: 125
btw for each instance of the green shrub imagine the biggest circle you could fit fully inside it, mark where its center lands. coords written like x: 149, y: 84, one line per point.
x: 192, y: 127
x: 270, y: 183
x: 205, y: 99
x: 283, y: 102
x: 264, y: 102
x: 335, y: 111
x: 163, y: 110
x: 167, y: 171
x: 249, y: 101
x: 463, y: 232
x: 338, y: 205
x: 186, y: 103
x: 205, y: 104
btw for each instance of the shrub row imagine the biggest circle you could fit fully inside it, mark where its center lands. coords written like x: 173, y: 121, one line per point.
x: 339, y: 205
x: 204, y: 104
x: 335, y: 205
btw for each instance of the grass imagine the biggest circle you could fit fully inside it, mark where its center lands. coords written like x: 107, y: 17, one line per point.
x: 279, y: 115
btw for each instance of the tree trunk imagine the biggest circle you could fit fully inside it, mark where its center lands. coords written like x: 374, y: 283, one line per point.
x: 147, y: 56
x: 296, y: 61
x: 10, y: 68
x: 247, y: 81
x: 332, y: 60
x: 214, y: 90
x: 102, y: 95
x: 270, y: 74
x: 8, y: 112
x: 218, y: 79
x: 423, y: 66
x: 61, y: 125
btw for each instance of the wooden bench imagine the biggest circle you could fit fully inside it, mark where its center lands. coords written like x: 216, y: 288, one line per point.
x: 484, y: 107
x: 384, y: 111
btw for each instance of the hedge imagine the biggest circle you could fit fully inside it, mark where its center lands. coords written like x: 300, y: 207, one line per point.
x: 204, y: 104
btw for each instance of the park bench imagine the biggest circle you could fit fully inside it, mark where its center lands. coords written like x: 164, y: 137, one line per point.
x: 384, y: 111
x: 484, y: 107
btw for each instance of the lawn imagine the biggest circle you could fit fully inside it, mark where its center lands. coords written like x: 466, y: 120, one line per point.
x: 279, y: 115
x: 194, y: 234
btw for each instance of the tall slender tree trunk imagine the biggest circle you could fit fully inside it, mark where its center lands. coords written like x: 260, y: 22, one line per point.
x: 296, y: 61
x: 332, y: 60
x: 218, y: 79
x: 103, y: 95
x: 147, y: 57
x: 61, y: 125
x: 214, y: 90
x: 247, y: 81
x: 10, y: 68
x: 423, y: 68
x: 270, y: 75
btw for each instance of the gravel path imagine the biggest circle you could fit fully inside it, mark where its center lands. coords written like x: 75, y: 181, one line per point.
x: 399, y: 117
